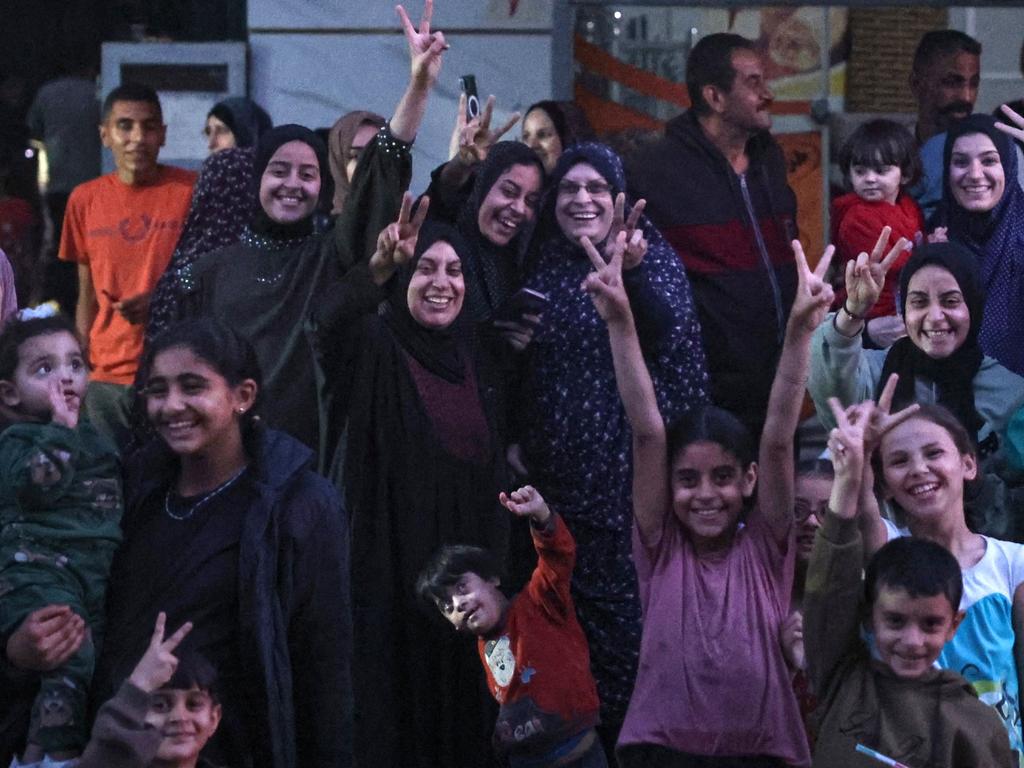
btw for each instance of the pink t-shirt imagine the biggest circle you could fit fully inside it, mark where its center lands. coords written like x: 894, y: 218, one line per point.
x: 712, y: 678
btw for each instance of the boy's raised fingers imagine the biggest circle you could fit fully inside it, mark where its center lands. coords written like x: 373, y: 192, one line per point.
x: 158, y: 629
x: 174, y: 640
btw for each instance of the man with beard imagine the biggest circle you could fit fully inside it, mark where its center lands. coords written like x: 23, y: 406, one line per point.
x: 716, y: 188
x: 944, y: 79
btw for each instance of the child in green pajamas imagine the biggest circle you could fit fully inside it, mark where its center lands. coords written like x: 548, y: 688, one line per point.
x: 60, y: 513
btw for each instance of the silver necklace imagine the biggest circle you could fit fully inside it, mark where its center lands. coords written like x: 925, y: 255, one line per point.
x: 212, y: 494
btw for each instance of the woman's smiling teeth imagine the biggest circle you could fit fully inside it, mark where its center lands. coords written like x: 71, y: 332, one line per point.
x: 923, y: 489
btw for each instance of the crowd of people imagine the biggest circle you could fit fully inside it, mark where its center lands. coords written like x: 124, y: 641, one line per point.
x: 295, y: 424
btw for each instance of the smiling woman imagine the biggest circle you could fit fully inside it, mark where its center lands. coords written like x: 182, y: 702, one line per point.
x: 985, y: 212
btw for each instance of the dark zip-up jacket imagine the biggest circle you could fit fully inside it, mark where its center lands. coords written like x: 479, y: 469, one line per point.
x: 743, y: 276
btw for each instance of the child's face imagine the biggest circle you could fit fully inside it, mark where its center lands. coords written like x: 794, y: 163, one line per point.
x: 708, y: 489
x: 192, y: 405
x: 809, y: 504
x: 911, y: 631
x: 876, y: 183
x: 475, y: 605
x: 43, y: 360
x: 924, y: 471
x: 186, y: 718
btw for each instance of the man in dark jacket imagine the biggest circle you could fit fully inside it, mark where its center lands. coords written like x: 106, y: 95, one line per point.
x: 715, y: 186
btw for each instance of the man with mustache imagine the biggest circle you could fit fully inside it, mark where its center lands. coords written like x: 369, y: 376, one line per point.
x: 944, y: 79
x: 716, y: 188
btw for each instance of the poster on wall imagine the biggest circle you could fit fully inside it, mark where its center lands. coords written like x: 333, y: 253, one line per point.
x: 797, y: 42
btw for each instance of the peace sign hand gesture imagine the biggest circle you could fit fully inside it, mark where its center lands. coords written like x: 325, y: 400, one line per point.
x: 813, y: 294
x: 604, y: 284
x: 158, y: 663
x: 473, y: 139
x: 425, y: 47
x: 879, y: 417
x: 865, y: 275
x: 397, y: 241
x: 636, y: 245
x: 846, y: 440
x: 1017, y: 129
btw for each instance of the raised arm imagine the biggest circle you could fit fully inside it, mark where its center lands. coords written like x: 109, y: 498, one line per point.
x: 650, y: 457
x: 425, y: 53
x: 832, y: 595
x: 775, y: 491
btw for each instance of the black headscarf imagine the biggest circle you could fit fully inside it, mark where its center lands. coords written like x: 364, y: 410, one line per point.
x: 491, y: 270
x: 953, y: 375
x: 246, y: 119
x: 270, y: 142
x: 439, y: 350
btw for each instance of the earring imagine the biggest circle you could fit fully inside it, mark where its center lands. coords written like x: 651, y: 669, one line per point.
x: 241, y: 410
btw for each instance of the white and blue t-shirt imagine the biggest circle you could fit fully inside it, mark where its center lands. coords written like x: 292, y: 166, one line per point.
x: 982, y: 649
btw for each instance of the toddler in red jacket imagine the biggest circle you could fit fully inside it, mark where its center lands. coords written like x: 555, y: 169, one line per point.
x: 533, y: 649
x: 879, y: 161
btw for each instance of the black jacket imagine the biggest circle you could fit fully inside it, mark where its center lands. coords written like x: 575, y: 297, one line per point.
x: 743, y: 294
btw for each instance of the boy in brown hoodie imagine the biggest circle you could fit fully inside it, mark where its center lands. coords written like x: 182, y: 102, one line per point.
x: 893, y: 701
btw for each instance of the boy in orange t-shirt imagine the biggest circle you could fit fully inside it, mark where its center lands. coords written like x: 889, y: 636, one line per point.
x: 121, y: 230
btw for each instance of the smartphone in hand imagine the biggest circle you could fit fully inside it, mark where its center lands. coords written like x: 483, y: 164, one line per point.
x: 468, y: 85
x: 525, y: 301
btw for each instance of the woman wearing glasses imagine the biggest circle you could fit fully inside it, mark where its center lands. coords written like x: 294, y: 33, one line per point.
x: 575, y: 437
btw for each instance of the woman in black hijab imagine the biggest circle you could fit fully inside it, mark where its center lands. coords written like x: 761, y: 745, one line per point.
x: 423, y: 469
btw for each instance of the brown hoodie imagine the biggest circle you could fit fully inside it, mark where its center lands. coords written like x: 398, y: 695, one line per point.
x: 935, y: 721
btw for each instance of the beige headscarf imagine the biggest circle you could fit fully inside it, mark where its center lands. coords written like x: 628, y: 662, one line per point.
x: 339, y: 141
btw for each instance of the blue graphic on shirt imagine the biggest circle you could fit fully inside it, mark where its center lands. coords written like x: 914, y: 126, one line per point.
x: 982, y: 651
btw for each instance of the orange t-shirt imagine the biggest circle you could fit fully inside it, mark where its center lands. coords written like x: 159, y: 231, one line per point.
x: 126, y: 235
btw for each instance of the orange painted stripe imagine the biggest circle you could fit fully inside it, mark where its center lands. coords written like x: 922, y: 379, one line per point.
x: 602, y: 63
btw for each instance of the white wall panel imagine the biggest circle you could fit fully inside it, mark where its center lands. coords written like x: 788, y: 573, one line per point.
x: 375, y: 14
x: 314, y: 79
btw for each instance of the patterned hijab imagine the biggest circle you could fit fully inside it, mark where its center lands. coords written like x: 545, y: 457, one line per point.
x: 996, y: 238
x: 339, y: 142
x: 492, y: 271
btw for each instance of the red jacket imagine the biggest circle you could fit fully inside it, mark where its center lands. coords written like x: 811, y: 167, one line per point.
x: 538, y: 664
x: 856, y: 224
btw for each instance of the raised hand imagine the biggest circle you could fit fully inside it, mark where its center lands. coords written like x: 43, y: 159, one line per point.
x: 425, y: 47
x: 158, y: 663
x: 879, y: 418
x: 846, y: 440
x: 1017, y: 129
x: 396, y: 243
x: 813, y: 294
x: 605, y: 284
x: 636, y: 245
x: 62, y: 412
x: 865, y: 275
x: 474, y: 138
x: 526, y: 502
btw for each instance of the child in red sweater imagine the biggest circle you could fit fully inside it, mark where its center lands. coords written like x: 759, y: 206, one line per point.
x: 533, y: 649
x: 880, y: 161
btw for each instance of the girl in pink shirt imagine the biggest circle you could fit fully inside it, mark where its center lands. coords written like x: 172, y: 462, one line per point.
x: 715, y: 572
